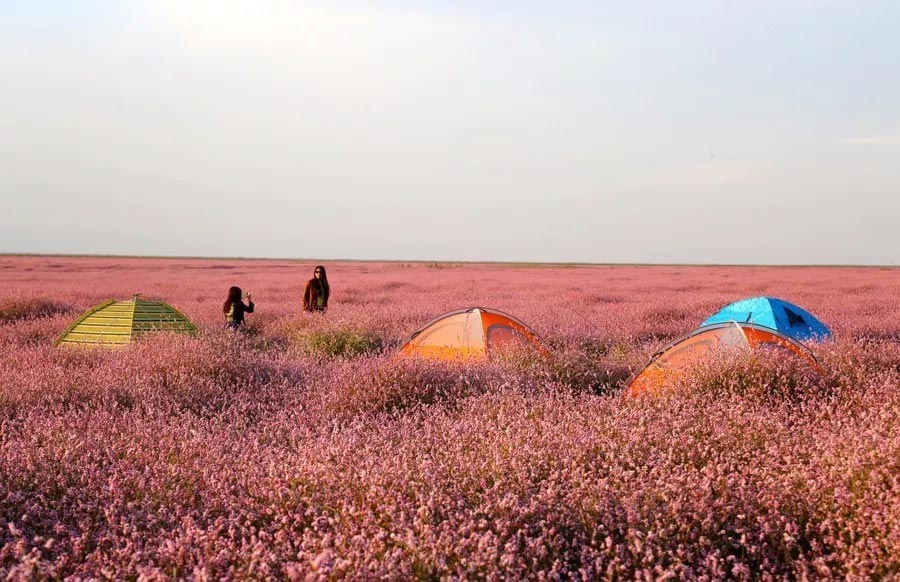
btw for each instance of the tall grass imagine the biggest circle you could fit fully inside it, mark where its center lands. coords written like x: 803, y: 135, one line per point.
x: 304, y: 449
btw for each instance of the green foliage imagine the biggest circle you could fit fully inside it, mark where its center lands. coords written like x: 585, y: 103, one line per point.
x: 338, y: 342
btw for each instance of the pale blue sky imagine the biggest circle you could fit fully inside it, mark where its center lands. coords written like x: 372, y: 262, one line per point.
x: 692, y: 132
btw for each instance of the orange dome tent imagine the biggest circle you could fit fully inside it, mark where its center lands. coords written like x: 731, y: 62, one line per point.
x: 473, y: 332
x: 671, y: 362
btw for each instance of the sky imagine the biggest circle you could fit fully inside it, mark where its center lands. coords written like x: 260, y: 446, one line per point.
x: 697, y: 131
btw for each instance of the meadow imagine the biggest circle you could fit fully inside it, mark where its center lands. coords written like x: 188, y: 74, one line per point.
x: 303, y: 450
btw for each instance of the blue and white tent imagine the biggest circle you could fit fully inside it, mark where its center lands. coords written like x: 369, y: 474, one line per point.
x: 775, y: 314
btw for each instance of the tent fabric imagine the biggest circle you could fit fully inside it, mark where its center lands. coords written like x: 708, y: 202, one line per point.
x: 470, y: 333
x: 774, y: 313
x: 672, y: 362
x: 117, y: 322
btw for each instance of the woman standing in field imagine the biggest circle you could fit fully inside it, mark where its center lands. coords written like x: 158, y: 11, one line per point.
x: 315, y: 296
x: 234, y: 308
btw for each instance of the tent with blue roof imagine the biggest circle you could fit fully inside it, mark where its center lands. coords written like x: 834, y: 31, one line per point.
x: 775, y: 314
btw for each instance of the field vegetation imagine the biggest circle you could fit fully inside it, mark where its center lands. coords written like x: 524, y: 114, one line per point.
x: 303, y: 449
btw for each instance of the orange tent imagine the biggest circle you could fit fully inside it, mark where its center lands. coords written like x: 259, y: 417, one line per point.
x: 470, y: 333
x: 671, y: 362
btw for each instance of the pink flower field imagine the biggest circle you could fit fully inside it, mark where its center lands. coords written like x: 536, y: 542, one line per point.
x: 302, y: 449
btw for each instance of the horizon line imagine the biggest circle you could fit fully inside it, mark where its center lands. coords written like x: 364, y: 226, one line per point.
x: 452, y: 261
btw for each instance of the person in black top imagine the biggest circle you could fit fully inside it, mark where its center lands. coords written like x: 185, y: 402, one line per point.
x: 234, y: 308
x: 315, y: 296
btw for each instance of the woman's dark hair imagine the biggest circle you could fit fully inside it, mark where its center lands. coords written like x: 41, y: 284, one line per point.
x: 324, y: 275
x: 234, y: 296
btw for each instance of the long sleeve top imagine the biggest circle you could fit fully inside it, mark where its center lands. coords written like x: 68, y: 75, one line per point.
x: 315, y: 296
x: 235, y: 315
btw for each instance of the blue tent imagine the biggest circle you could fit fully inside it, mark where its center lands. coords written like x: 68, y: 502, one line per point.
x: 775, y: 314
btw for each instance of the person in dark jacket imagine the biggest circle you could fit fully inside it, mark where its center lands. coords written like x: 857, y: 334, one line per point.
x: 234, y: 308
x: 315, y: 296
